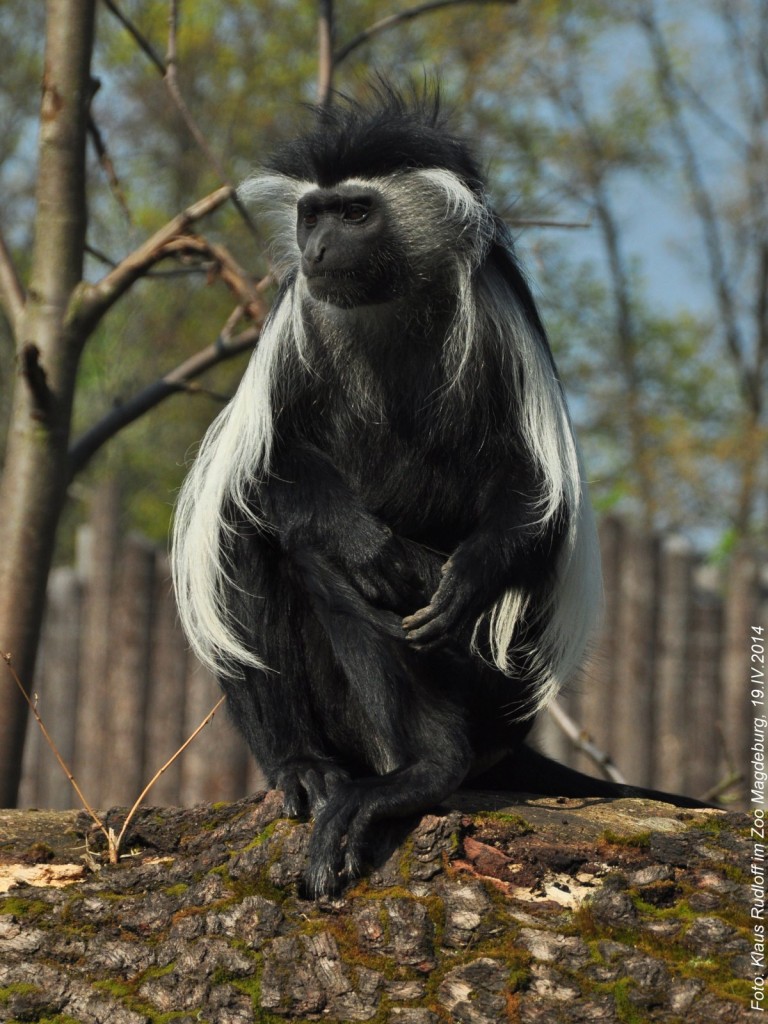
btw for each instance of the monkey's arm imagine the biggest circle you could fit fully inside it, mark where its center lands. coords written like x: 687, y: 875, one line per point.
x: 507, y: 548
x: 310, y: 505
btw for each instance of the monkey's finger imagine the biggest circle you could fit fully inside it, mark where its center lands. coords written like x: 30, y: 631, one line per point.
x: 427, y: 627
x: 444, y: 602
x: 419, y: 618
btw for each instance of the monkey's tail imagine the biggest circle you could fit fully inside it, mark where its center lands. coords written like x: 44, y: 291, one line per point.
x: 528, y: 771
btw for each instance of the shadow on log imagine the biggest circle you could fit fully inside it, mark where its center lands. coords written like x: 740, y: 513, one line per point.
x: 494, y: 908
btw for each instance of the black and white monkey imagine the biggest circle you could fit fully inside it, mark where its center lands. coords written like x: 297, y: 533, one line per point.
x: 385, y: 548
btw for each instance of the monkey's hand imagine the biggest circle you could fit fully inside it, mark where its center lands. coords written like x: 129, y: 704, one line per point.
x: 460, y: 598
x: 377, y: 565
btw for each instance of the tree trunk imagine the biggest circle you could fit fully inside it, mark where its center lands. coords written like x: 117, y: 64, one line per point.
x: 33, y: 485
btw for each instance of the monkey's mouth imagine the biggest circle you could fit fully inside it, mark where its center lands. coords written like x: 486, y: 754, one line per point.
x: 332, y: 275
x: 343, y: 288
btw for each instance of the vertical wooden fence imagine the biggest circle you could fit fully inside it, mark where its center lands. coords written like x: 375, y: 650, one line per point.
x: 665, y: 690
x: 118, y: 689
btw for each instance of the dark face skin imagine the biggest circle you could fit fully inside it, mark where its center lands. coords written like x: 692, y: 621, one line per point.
x: 349, y: 254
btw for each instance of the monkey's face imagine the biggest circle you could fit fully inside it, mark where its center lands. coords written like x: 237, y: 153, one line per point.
x: 350, y: 256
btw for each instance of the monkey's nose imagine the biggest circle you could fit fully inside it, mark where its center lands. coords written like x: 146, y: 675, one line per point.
x: 318, y: 257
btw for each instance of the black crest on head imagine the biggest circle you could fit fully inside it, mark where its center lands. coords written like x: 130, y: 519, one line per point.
x: 391, y: 131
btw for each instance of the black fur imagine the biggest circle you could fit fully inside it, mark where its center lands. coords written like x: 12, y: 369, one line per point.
x: 397, y: 508
x: 397, y: 133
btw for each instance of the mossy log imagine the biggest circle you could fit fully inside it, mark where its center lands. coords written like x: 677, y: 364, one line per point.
x: 491, y: 909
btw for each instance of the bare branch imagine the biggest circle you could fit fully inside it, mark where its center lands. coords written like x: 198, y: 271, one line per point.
x: 108, y: 167
x: 172, y: 82
x: 325, y: 62
x: 175, y: 381
x: 12, y: 297
x: 392, y: 20
x: 231, y: 273
x: 168, y: 71
x: 95, y: 300
x: 703, y: 204
x: 724, y: 129
x: 142, y: 41
x: 565, y: 225
x: 585, y: 743
x: 91, y: 301
x: 202, y: 267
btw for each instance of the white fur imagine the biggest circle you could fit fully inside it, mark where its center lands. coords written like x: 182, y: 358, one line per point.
x: 236, y: 450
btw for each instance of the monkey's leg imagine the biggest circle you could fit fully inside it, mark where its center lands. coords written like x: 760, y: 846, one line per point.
x: 412, y: 734
x: 278, y: 710
x: 292, y: 758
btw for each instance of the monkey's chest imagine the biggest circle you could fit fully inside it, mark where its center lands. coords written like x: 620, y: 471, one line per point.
x: 423, y: 486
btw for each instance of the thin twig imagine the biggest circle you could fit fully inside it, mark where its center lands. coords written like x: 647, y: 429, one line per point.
x: 703, y: 203
x: 585, y: 743
x: 566, y: 225
x: 203, y: 267
x: 397, y: 19
x: 160, y: 771
x: 325, y: 62
x: 64, y: 767
x: 108, y: 167
x: 168, y: 71
x: 731, y: 779
x: 141, y: 39
x: 172, y: 83
x: 198, y: 389
x: 113, y: 842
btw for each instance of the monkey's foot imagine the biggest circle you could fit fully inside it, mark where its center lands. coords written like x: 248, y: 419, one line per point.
x: 335, y: 849
x: 307, y: 785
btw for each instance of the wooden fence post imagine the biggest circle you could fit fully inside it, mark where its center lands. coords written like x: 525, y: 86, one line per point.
x: 124, y: 728
x: 96, y: 556
x: 634, y: 658
x: 166, y: 705
x: 55, y: 691
x: 702, y: 737
x: 216, y: 765
x: 741, y: 604
x: 595, y: 705
x: 675, y: 597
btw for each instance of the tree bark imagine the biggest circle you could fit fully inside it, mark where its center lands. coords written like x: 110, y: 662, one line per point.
x: 33, y: 485
x: 491, y: 909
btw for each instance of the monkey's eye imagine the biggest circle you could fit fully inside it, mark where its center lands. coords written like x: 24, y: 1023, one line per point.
x: 356, y: 213
x: 309, y: 220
